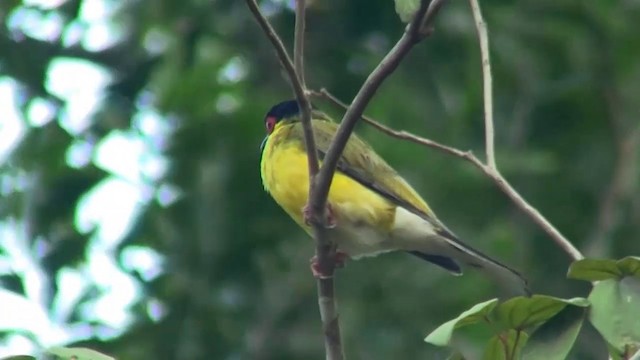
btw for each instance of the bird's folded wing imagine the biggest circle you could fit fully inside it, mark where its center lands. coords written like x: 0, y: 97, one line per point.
x: 360, y: 162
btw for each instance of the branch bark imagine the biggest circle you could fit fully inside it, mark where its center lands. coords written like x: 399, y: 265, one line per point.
x: 487, y: 81
x: 325, y: 250
x: 417, y: 30
x: 281, y: 51
x: 491, y: 168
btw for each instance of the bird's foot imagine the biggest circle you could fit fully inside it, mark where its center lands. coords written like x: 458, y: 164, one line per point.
x: 330, y: 220
x: 339, y: 261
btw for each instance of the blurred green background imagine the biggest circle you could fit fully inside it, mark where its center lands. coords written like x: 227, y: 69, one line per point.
x: 132, y: 215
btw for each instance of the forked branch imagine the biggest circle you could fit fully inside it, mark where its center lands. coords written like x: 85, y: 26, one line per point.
x: 418, y: 29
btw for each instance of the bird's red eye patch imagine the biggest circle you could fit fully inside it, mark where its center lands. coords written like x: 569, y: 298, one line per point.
x: 270, y: 124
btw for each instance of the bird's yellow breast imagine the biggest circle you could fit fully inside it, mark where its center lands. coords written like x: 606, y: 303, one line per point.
x: 285, y: 176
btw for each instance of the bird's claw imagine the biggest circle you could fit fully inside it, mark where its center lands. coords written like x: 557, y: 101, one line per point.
x: 330, y: 220
x: 340, y: 260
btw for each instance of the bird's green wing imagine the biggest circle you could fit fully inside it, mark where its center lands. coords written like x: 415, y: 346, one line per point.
x: 360, y: 162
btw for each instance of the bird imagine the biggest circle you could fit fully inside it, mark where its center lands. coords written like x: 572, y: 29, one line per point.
x: 371, y: 209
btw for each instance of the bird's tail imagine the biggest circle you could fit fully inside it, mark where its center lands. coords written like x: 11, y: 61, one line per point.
x: 502, y: 274
x: 505, y: 276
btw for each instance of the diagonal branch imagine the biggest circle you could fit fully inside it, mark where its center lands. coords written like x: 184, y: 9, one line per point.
x: 296, y: 81
x: 417, y: 30
x: 325, y: 250
x: 490, y: 168
x: 281, y: 51
x: 490, y: 172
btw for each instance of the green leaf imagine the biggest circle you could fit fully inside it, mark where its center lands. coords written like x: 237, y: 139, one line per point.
x: 555, y: 338
x: 603, y: 269
x: 630, y: 266
x: 614, y: 311
x: 507, y: 346
x: 443, y: 334
x: 406, y: 9
x: 78, y: 354
x: 522, y: 312
x: 593, y: 270
x: 19, y: 357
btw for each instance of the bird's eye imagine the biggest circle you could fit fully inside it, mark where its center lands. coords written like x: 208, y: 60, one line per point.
x: 270, y: 123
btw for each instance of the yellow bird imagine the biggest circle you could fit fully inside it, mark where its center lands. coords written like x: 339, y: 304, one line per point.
x: 372, y: 209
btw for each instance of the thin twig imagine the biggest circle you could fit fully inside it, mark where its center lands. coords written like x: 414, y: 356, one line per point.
x: 296, y: 85
x: 494, y: 175
x: 487, y: 80
x: 297, y: 80
x: 298, y: 45
x: 491, y: 168
x: 281, y: 51
x: 325, y: 253
x: 398, y: 134
x: 412, y: 35
x: 426, y: 27
x: 322, y: 182
x: 533, y: 213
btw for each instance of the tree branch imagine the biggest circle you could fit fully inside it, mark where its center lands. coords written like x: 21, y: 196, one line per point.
x: 298, y: 45
x: 296, y: 84
x: 319, y: 185
x: 301, y: 96
x: 491, y: 168
x: 324, y: 253
x: 490, y: 172
x: 281, y: 51
x: 487, y: 81
x: 416, y: 31
x: 325, y: 250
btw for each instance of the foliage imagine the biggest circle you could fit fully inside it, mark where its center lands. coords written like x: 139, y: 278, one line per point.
x: 545, y: 327
x: 615, y: 298
x: 512, y: 322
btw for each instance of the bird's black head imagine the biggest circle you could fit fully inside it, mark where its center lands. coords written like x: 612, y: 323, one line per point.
x: 283, y: 110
